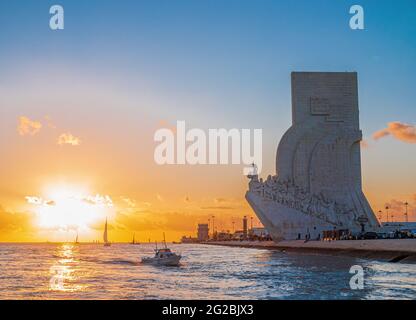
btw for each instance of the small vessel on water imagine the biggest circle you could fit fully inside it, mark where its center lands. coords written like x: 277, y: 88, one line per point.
x: 164, y: 256
x: 133, y: 241
x: 105, y: 235
x: 76, y: 239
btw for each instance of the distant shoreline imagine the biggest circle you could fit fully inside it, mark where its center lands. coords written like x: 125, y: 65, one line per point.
x: 391, y: 250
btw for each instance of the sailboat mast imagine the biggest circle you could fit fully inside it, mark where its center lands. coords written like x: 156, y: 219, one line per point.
x: 105, y: 232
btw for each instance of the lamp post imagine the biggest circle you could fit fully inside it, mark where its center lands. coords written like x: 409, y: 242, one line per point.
x: 407, y: 218
x: 387, y: 213
x: 213, y: 226
x: 380, y: 215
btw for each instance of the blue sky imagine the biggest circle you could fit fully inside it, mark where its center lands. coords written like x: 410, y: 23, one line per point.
x: 236, y: 53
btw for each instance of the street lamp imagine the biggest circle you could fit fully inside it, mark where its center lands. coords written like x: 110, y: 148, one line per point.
x: 407, y: 218
x: 387, y: 212
x: 379, y: 215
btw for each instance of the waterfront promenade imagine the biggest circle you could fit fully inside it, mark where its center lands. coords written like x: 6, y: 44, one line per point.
x: 393, y: 250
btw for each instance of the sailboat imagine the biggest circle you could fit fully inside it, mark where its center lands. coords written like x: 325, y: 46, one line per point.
x: 134, y: 241
x: 76, y: 239
x: 105, y: 237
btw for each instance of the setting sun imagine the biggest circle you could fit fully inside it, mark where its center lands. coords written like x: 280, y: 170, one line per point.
x: 70, y: 208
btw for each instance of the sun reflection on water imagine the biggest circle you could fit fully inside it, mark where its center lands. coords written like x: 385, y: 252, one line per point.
x: 63, y: 272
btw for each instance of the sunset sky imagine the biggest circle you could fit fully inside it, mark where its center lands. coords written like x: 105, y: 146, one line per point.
x: 79, y: 106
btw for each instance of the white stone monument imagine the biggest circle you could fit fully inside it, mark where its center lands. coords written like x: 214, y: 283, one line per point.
x: 317, y: 186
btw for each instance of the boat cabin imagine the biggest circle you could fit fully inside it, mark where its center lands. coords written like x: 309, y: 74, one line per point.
x: 163, y: 252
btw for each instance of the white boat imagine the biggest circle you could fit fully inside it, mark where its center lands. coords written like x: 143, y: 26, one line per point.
x: 164, y: 257
x: 105, y: 236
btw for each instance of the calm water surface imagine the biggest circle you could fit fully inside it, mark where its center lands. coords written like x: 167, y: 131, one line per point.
x: 88, y: 271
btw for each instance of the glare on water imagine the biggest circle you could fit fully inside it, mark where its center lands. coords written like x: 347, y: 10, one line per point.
x: 63, y: 273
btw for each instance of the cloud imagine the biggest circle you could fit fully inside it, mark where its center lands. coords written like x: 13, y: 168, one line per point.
x: 96, y: 200
x: 140, y: 221
x: 99, y: 225
x: 39, y: 201
x: 68, y: 138
x: 28, y: 127
x: 34, y: 200
x: 99, y: 200
x: 159, y: 220
x: 401, y: 131
x: 224, y: 204
x: 15, y: 221
x: 131, y: 203
x: 380, y: 134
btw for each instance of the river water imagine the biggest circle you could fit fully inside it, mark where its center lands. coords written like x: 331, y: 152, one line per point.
x: 91, y: 271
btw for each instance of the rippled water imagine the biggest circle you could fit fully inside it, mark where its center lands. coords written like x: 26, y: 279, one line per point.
x: 88, y: 271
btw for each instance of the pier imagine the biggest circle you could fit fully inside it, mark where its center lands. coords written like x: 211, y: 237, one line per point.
x: 391, y: 250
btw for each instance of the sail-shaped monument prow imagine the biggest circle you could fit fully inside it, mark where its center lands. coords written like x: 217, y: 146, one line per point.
x: 318, y: 164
